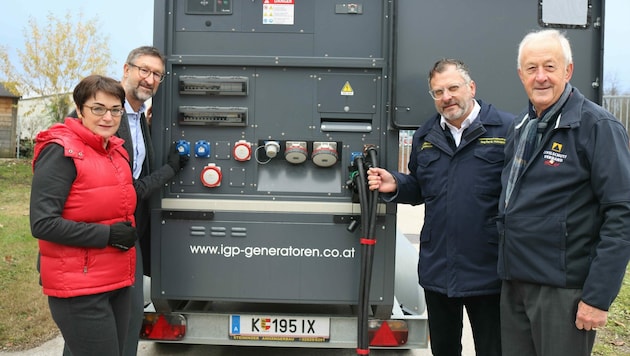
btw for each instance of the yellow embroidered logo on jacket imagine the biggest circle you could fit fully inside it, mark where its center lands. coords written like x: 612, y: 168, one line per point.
x: 426, y: 145
x: 492, y: 140
x: 554, y: 157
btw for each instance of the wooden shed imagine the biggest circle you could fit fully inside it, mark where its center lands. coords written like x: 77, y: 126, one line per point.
x: 8, y: 122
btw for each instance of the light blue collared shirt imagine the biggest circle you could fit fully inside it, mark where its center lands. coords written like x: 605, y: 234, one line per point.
x: 135, y: 129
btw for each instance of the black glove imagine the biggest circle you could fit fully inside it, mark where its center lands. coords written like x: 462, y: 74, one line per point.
x: 183, y: 161
x: 122, y: 235
x: 175, y: 160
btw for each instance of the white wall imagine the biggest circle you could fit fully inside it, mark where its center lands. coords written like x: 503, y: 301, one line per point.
x: 32, y: 116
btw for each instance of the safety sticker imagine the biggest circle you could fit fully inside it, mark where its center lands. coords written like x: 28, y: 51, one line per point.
x: 278, y: 12
x: 347, y: 89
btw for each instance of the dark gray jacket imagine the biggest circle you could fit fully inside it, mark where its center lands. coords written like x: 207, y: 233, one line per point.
x: 567, y: 224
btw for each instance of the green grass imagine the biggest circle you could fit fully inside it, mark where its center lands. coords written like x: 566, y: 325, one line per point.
x: 614, y: 339
x: 26, y: 321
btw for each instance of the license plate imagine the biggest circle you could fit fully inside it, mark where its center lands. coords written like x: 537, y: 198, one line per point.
x: 279, y: 328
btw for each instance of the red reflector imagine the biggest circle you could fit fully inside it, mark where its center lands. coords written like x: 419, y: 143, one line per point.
x: 388, y: 333
x: 157, y: 326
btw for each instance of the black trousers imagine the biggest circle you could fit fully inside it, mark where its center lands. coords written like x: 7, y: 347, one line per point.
x: 540, y: 320
x: 137, y: 308
x: 446, y: 323
x: 93, y: 324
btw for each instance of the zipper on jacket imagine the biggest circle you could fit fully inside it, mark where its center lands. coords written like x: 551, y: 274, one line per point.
x: 85, y: 262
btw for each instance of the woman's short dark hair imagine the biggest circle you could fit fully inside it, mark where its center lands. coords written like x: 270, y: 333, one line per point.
x: 89, y: 86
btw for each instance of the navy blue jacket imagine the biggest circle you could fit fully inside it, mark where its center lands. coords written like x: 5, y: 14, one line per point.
x: 460, y: 189
x: 567, y: 223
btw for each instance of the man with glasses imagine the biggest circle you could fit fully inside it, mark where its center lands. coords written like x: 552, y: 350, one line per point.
x: 142, y: 74
x: 455, y: 170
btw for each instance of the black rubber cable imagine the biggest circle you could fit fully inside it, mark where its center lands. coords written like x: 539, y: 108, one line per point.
x: 369, y: 205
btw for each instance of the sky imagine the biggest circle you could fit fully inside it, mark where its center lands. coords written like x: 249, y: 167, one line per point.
x: 617, y: 43
x: 129, y: 24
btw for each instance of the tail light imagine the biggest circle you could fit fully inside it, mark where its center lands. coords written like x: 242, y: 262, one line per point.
x: 387, y: 333
x: 169, y: 327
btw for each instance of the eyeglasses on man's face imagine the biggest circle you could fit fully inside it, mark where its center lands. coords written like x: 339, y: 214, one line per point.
x: 452, y: 89
x: 101, y: 110
x: 145, y: 72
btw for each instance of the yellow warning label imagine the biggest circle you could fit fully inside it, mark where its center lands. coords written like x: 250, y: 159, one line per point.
x: 347, y: 89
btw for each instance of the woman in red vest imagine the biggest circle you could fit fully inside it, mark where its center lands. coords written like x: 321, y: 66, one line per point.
x: 82, y: 211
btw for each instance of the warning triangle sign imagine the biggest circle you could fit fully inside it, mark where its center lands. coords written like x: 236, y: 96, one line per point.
x: 347, y: 89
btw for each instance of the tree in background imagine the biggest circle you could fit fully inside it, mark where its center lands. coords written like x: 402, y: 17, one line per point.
x: 55, y: 58
x: 612, y: 85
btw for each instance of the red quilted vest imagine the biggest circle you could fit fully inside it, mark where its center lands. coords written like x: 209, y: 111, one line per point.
x: 102, y: 193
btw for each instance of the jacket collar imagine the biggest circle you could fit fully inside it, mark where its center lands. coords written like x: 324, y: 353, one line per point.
x: 570, y: 114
